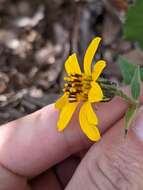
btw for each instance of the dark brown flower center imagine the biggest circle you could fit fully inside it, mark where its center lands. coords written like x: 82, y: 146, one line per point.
x: 77, y: 87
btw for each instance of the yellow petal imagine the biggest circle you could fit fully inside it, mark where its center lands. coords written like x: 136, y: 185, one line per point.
x: 61, y: 102
x: 65, y: 115
x: 90, y: 130
x: 90, y: 52
x: 72, y: 65
x: 95, y: 93
x: 98, y: 68
x: 91, y: 116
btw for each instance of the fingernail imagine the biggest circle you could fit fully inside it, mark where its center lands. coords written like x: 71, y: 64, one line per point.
x: 138, y: 124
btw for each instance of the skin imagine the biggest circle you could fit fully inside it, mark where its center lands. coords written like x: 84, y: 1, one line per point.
x: 35, y: 156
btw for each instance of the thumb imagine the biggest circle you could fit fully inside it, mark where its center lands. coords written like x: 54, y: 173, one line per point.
x: 115, y: 162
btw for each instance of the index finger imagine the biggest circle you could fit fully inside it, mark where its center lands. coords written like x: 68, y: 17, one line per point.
x: 32, y: 144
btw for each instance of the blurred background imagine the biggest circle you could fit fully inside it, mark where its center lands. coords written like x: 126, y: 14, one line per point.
x: 37, y: 36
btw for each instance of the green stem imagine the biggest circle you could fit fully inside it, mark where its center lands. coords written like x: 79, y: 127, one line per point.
x: 119, y: 93
x: 110, y: 89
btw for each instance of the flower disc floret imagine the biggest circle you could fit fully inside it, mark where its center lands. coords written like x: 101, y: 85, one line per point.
x: 77, y: 87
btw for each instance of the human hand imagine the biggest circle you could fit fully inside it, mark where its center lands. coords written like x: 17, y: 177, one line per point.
x: 31, y: 151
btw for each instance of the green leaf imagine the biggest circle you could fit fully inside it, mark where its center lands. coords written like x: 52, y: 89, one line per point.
x: 141, y: 73
x: 136, y: 84
x: 129, y: 116
x: 127, y: 69
x: 133, y: 28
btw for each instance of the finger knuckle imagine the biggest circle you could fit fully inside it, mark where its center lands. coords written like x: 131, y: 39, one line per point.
x: 114, y: 171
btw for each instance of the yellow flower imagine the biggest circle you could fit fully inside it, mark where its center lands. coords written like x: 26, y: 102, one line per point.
x: 82, y: 87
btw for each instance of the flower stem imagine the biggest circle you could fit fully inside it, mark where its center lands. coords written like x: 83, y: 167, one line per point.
x: 112, y: 89
x: 127, y: 98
